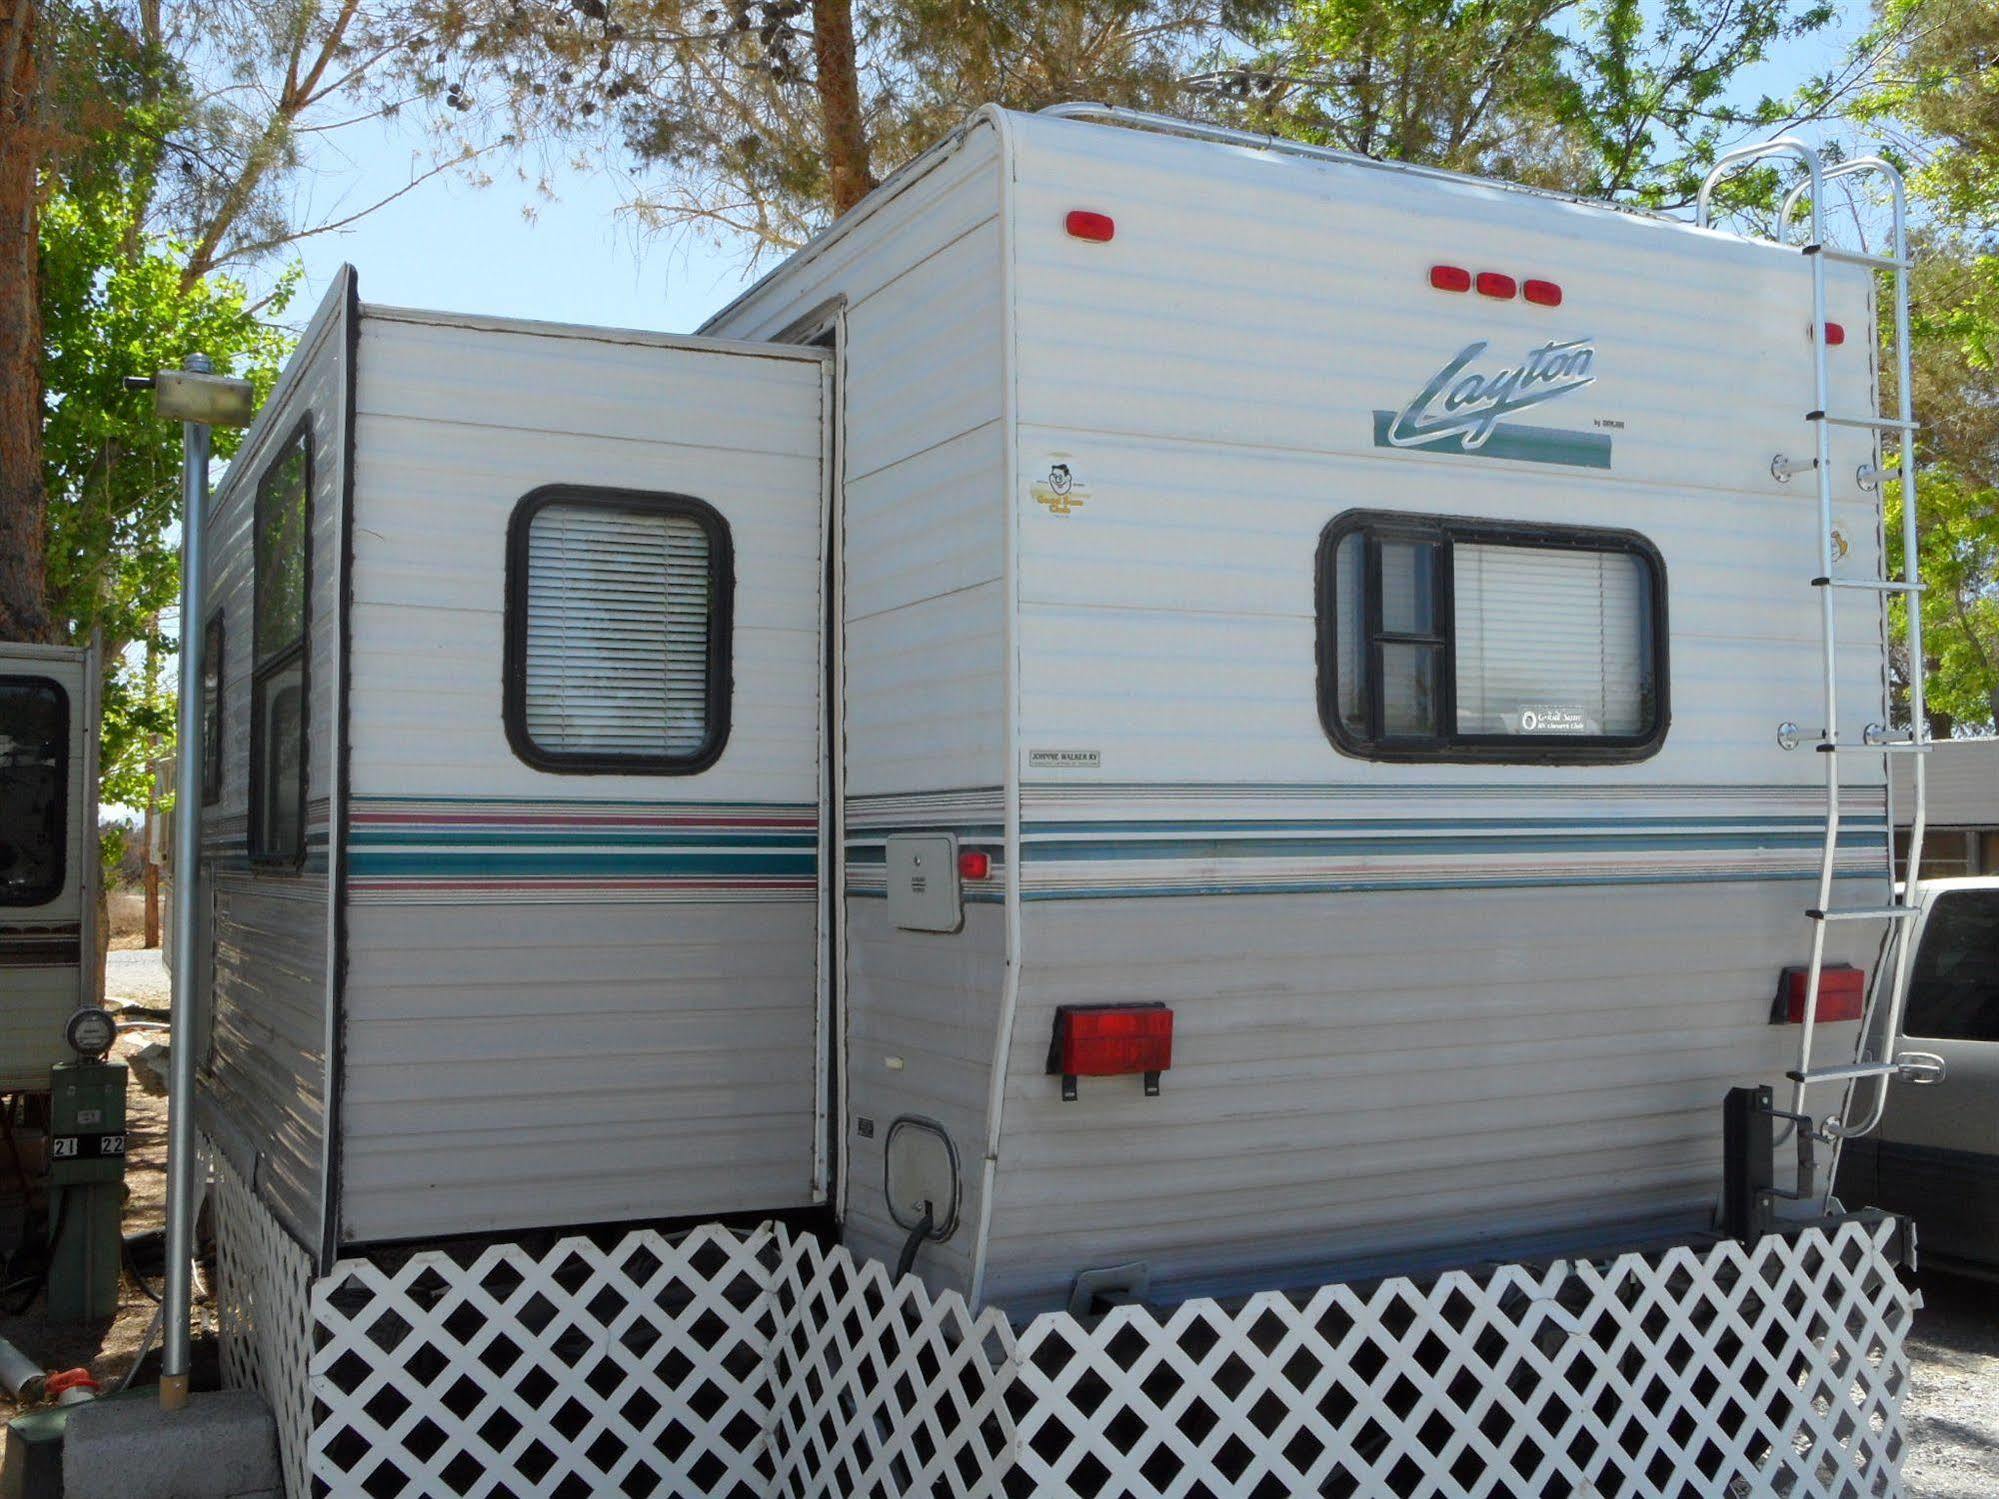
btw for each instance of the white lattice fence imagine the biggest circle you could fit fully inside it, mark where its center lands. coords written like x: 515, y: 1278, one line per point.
x: 262, y: 1285
x: 762, y: 1364
x: 1772, y: 1370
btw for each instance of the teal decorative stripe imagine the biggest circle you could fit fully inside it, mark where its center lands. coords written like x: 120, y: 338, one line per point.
x: 1513, y: 440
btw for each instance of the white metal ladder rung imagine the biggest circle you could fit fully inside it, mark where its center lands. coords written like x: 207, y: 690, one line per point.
x: 1863, y: 913
x: 1877, y: 747
x: 1870, y: 423
x: 1851, y: 1072
x: 1859, y: 257
x: 1872, y: 585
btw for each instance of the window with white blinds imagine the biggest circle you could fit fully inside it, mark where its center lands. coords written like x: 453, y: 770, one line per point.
x: 1465, y: 639
x: 618, y: 632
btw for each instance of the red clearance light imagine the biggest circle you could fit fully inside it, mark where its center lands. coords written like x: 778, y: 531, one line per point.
x: 1096, y: 227
x: 1450, y: 278
x: 1493, y: 284
x: 974, y: 864
x: 1111, y: 1041
x: 1835, y: 333
x: 1842, y: 993
x: 1542, y: 293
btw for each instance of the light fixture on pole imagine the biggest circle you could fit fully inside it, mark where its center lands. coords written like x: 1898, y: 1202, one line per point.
x: 199, y: 399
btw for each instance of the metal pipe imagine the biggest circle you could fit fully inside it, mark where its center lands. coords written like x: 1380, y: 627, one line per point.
x: 178, y: 1297
x: 21, y: 1375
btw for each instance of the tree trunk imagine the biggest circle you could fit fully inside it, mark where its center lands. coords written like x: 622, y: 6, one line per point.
x: 839, y: 85
x: 23, y: 532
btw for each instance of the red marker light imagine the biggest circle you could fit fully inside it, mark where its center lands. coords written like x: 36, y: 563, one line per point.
x: 1110, y: 1041
x: 1493, y: 284
x: 1835, y: 333
x: 1842, y: 993
x: 1098, y: 228
x: 1450, y: 278
x: 1542, y: 293
x: 974, y: 864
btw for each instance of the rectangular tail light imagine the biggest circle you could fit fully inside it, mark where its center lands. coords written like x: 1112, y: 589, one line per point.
x: 1111, y: 1041
x: 1842, y: 993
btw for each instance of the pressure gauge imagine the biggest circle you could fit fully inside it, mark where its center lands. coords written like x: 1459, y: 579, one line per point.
x: 90, y: 1033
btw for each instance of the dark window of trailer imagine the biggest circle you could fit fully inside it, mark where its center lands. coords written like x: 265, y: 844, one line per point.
x: 1954, y: 986
x: 34, y: 790
x: 279, y: 651
x: 617, y: 631
x: 1447, y: 638
x: 211, y: 712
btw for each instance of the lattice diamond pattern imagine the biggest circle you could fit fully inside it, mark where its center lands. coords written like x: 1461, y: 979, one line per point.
x: 261, y: 1288
x: 762, y: 1364
x: 1771, y: 1370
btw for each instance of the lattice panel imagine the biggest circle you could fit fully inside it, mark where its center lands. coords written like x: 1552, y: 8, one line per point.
x: 882, y: 1390
x: 262, y: 1287
x: 762, y: 1364
x: 640, y: 1368
x: 1773, y: 1370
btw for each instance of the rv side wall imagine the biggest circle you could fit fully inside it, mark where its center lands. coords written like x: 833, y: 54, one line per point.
x: 1418, y: 1005
x: 264, y: 925
x: 920, y: 275
x: 574, y: 997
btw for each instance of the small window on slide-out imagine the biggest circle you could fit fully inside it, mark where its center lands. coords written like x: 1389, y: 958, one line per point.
x: 617, y: 632
x: 282, y: 587
x: 34, y: 790
x: 1456, y: 639
x: 1954, y: 985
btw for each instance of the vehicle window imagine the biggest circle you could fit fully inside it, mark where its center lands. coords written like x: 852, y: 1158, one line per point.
x: 618, y: 632
x: 1460, y: 639
x: 1954, y: 987
x: 211, y: 712
x: 278, y: 650
x: 34, y: 790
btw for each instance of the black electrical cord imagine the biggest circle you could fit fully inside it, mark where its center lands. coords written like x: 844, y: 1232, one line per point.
x: 40, y: 1277
x: 132, y: 1270
x: 925, y: 1225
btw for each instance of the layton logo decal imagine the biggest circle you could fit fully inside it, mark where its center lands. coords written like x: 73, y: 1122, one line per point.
x: 1460, y: 410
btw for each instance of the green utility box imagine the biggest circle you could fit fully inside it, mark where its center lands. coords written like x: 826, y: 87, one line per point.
x: 86, y: 1188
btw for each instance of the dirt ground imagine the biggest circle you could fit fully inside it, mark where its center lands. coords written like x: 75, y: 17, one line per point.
x: 1952, y: 1409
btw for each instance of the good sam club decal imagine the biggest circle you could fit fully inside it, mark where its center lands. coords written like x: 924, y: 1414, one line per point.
x: 1461, y: 409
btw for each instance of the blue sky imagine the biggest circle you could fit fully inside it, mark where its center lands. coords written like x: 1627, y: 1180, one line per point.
x: 455, y: 247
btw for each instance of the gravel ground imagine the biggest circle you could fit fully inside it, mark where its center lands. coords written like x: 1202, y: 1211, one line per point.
x: 1952, y: 1409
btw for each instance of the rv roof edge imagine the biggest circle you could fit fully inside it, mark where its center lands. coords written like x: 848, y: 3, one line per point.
x: 544, y: 328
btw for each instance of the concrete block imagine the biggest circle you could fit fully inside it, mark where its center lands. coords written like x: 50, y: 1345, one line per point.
x: 221, y: 1445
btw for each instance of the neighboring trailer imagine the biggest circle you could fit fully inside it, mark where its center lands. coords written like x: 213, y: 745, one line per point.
x: 49, y: 868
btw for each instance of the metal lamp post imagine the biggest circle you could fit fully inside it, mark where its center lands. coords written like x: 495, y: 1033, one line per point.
x: 199, y: 399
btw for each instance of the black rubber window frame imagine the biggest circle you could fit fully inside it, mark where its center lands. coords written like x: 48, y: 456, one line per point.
x: 267, y: 662
x: 1447, y: 746
x: 721, y: 630
x: 49, y: 889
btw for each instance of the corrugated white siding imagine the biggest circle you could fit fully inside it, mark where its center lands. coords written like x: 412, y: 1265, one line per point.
x: 1362, y: 1074
x: 574, y: 998
x: 1963, y: 790
x: 920, y: 274
x: 263, y: 1084
x: 1439, y: 1026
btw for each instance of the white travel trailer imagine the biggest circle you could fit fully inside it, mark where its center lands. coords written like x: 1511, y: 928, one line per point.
x: 48, y: 854
x: 1150, y: 715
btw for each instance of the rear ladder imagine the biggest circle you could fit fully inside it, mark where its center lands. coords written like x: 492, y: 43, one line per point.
x: 1874, y: 1061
